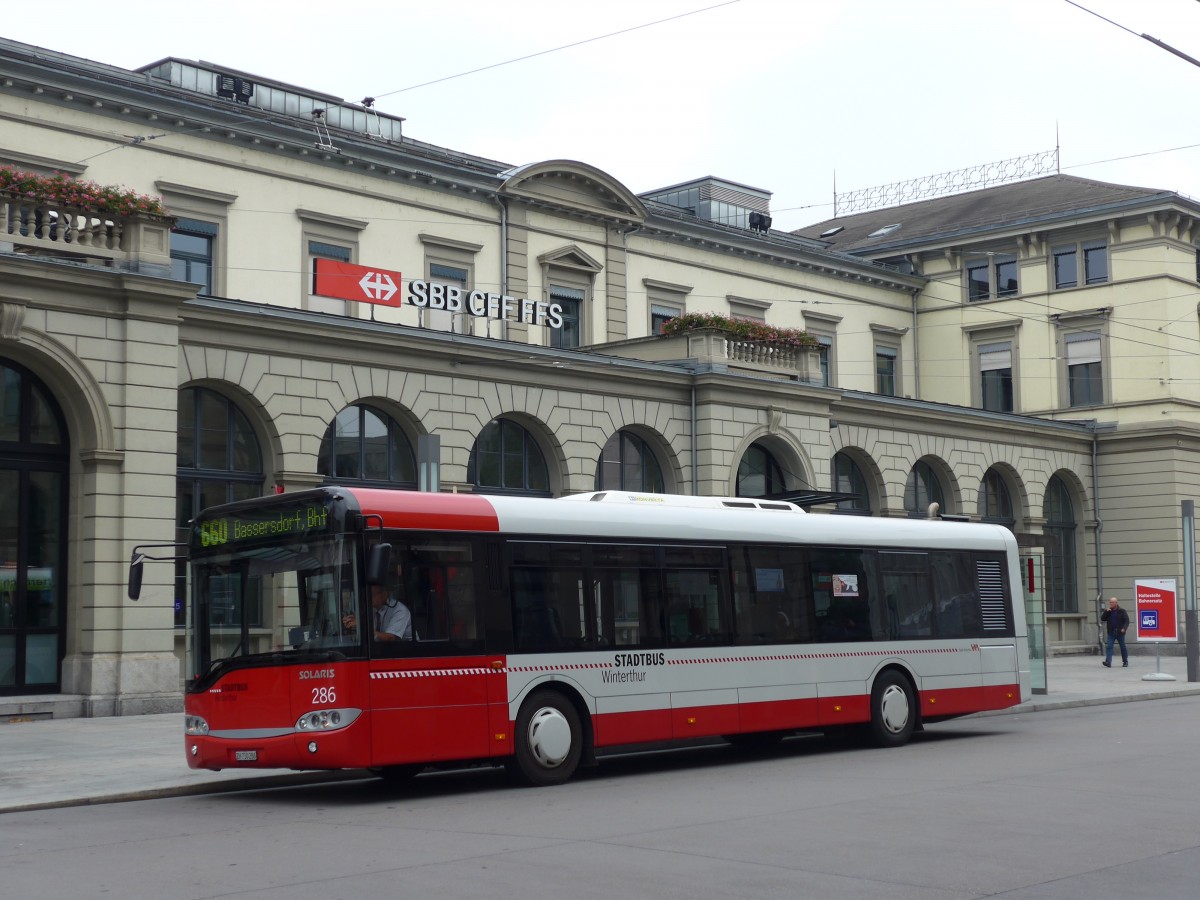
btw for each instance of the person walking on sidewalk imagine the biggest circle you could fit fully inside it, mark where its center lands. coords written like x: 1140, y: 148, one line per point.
x: 1118, y: 622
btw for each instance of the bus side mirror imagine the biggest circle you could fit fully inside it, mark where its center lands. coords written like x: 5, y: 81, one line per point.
x: 135, y: 574
x: 141, y: 553
x: 379, y: 565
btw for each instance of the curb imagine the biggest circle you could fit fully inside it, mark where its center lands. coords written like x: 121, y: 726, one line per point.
x: 1048, y: 705
x: 199, y: 788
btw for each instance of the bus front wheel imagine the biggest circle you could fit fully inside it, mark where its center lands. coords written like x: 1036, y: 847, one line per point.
x: 548, y: 738
x: 893, y: 710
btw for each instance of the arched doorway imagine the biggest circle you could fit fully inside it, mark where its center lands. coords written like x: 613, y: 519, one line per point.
x: 759, y: 473
x: 364, y: 445
x: 507, y: 460
x: 1062, y: 595
x: 34, y: 455
x: 848, y: 478
x: 218, y: 460
x: 995, y: 501
x: 628, y: 464
x: 923, y: 488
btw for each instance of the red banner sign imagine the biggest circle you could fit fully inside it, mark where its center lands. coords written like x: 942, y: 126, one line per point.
x: 362, y: 284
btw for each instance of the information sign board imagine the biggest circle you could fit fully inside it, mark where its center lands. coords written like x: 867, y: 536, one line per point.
x: 1156, y: 611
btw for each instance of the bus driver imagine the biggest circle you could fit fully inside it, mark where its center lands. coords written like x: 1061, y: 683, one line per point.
x: 393, y: 621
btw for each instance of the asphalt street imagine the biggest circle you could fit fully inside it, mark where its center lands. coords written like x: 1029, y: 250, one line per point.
x: 67, y: 762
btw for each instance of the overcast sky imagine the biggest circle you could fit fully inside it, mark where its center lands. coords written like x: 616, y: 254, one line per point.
x: 782, y: 95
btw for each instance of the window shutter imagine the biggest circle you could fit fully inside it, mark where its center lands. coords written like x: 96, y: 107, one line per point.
x: 195, y: 226
x: 447, y: 273
x: 565, y: 293
x: 1083, y: 347
x: 995, y: 356
x: 329, y: 251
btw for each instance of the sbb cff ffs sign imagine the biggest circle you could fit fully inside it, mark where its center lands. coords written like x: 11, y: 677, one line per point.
x: 362, y: 284
x: 1155, y: 616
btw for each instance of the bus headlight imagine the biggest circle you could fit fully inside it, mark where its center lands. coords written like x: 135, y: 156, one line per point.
x: 322, y: 720
x: 194, y: 725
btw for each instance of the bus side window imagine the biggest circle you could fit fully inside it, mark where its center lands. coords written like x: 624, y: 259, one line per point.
x: 697, y: 611
x: 627, y: 585
x: 547, y: 595
x: 536, y: 624
x: 955, y: 594
x: 773, y: 603
x: 908, y: 597
x: 847, y: 605
x: 435, y: 580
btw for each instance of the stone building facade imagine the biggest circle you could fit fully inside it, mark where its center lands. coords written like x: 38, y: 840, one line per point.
x: 194, y: 362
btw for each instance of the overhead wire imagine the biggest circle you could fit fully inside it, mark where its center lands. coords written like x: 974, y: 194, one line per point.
x: 528, y: 56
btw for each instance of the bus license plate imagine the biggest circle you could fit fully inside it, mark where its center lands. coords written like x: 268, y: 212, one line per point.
x: 245, y: 755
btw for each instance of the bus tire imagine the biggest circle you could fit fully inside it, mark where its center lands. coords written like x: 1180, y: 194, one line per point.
x: 893, y: 710
x: 549, y: 739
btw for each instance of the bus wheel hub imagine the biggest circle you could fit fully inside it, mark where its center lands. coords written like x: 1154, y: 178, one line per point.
x: 549, y: 737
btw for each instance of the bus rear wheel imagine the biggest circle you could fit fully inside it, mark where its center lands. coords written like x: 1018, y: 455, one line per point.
x: 893, y: 710
x: 549, y: 740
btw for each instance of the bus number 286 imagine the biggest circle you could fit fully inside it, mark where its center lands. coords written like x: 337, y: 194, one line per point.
x: 323, y: 695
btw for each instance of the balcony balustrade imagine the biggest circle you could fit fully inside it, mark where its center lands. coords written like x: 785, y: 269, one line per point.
x: 138, y: 243
x: 712, y: 346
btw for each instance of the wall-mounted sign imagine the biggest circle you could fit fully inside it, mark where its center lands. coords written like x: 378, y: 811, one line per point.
x: 1156, y: 616
x: 481, y: 304
x: 362, y: 284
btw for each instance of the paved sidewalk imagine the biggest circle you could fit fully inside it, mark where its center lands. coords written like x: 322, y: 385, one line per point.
x: 68, y: 762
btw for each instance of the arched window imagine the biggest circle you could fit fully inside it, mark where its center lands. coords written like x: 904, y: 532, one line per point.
x: 759, y: 473
x: 1061, y: 590
x: 217, y: 460
x: 995, y: 502
x: 33, y: 530
x: 848, y: 478
x: 506, y: 459
x: 364, y: 445
x: 628, y: 464
x: 921, y: 489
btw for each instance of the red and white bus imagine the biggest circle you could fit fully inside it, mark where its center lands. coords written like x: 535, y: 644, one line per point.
x: 545, y: 630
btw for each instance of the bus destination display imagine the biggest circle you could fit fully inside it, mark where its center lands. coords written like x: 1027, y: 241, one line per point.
x: 230, y: 529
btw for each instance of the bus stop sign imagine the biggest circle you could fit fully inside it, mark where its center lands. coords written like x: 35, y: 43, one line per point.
x: 1156, y: 609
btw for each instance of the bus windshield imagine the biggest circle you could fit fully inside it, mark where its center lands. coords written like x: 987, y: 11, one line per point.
x: 296, y: 598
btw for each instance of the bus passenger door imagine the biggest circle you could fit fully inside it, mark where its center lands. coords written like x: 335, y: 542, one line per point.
x: 633, y: 702
x: 430, y: 693
x: 929, y: 597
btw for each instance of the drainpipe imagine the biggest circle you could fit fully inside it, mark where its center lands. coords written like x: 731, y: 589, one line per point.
x: 916, y: 348
x: 503, y: 258
x: 1099, y: 528
x: 695, y: 476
